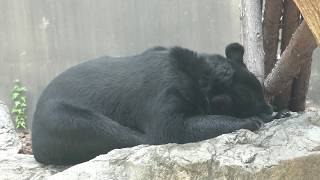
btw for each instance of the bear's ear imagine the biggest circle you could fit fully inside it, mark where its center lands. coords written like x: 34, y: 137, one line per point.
x: 189, y: 62
x: 234, y: 52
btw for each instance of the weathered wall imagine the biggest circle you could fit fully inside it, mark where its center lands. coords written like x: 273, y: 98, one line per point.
x: 41, y: 38
x: 314, y: 88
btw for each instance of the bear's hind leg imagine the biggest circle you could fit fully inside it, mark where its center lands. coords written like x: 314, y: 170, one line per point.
x: 72, y: 134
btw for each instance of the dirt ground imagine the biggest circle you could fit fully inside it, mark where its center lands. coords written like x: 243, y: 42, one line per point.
x: 26, y: 147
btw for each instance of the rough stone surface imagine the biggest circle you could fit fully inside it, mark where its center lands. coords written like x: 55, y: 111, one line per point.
x: 23, y: 166
x: 9, y: 140
x: 287, y: 148
x: 13, y: 165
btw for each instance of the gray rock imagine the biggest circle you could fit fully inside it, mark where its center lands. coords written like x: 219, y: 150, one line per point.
x: 22, y: 166
x: 9, y: 140
x: 283, y: 149
x: 18, y: 166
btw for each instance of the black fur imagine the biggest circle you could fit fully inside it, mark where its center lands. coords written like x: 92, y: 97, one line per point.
x: 235, y: 51
x: 160, y: 96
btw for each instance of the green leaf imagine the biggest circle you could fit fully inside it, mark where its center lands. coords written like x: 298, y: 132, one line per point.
x: 23, y: 89
x: 14, y: 95
x: 21, y: 124
x: 14, y: 110
x: 17, y: 103
x: 15, y: 89
x: 19, y: 111
x: 23, y: 98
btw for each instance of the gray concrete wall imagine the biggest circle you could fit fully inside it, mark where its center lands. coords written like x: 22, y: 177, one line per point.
x: 41, y: 38
x: 314, y: 88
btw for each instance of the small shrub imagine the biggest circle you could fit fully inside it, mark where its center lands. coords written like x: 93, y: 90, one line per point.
x: 19, y: 104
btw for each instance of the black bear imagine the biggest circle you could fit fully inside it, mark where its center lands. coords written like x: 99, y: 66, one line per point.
x: 164, y: 95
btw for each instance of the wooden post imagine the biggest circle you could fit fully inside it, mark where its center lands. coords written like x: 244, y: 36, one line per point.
x: 290, y: 22
x: 310, y: 9
x: 270, y: 28
x: 301, y: 44
x: 251, y: 37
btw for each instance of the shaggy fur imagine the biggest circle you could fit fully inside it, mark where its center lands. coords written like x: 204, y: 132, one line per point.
x: 164, y: 95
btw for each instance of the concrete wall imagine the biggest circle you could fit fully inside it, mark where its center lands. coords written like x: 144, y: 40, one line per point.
x: 41, y: 38
x: 314, y: 88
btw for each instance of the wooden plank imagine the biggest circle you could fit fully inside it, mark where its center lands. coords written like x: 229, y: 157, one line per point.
x: 310, y: 9
x: 292, y: 59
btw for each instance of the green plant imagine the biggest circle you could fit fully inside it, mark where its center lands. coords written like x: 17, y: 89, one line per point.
x: 19, y: 104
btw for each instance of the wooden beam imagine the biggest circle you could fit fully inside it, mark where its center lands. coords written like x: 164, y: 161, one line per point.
x: 310, y: 9
x: 270, y: 29
x: 251, y: 37
x: 301, y: 45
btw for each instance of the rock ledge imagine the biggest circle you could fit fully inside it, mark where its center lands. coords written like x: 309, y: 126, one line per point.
x: 283, y: 149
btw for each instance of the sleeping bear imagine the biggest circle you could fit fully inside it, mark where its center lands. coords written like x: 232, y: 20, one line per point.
x: 163, y: 95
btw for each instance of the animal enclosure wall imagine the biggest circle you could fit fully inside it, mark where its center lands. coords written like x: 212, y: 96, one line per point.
x: 41, y: 38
